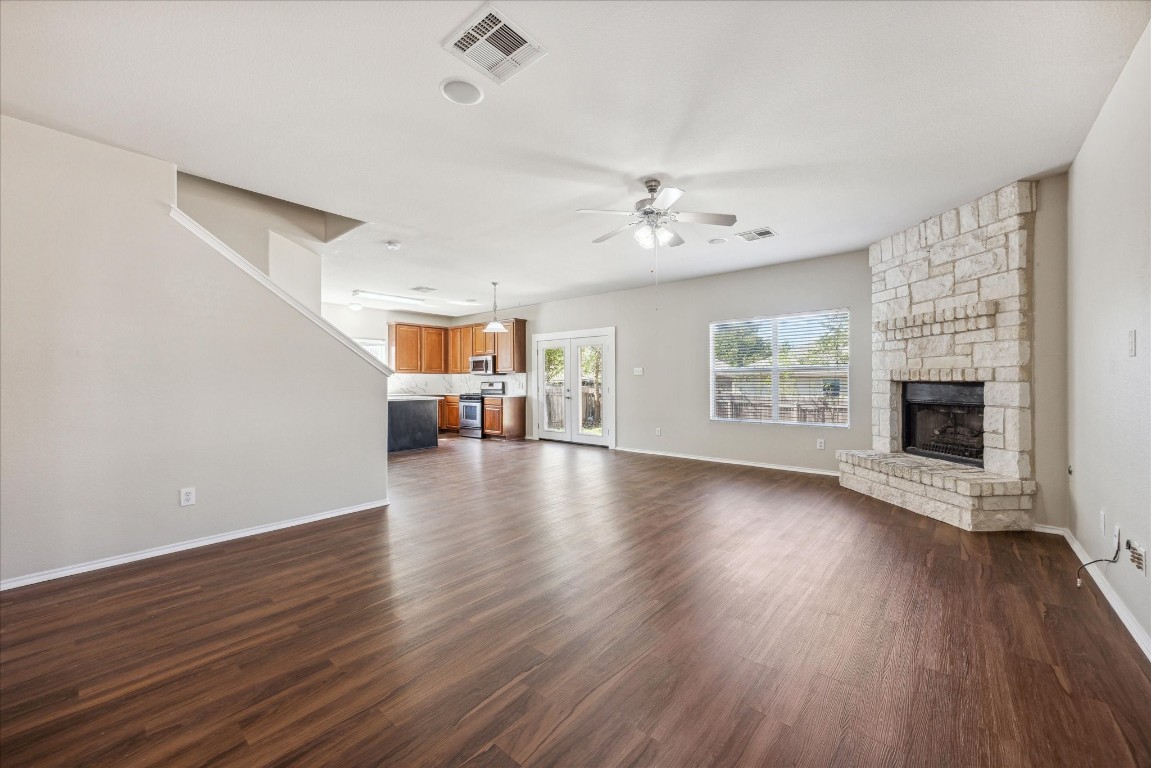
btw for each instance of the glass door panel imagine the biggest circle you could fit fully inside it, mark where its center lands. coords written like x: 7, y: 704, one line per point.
x: 554, y: 389
x: 590, y: 389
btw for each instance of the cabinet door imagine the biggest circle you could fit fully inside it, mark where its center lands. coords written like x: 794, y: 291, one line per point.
x: 442, y: 416
x: 483, y: 343
x: 451, y: 413
x: 511, y: 348
x: 466, y: 342
x: 459, y: 349
x: 404, y: 346
x: 493, y: 417
x: 434, y: 349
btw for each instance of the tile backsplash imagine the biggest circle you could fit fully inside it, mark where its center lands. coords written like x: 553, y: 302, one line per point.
x: 452, y: 383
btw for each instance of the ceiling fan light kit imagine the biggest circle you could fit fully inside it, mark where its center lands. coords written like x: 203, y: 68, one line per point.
x: 653, y: 218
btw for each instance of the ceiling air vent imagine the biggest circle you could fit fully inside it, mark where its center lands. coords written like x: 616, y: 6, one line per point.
x: 422, y: 289
x: 758, y: 233
x: 493, y: 46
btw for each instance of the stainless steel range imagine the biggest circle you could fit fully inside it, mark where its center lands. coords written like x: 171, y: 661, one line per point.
x: 472, y: 408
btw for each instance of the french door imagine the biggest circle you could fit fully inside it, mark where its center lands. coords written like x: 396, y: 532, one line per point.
x: 575, y: 386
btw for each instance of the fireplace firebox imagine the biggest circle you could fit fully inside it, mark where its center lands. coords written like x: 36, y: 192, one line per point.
x: 944, y: 421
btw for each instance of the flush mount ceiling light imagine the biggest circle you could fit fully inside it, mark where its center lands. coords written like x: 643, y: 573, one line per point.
x: 386, y: 297
x: 495, y: 326
x: 355, y: 306
x: 461, y: 92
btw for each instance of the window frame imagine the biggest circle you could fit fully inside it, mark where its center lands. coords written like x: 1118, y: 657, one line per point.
x: 775, y: 370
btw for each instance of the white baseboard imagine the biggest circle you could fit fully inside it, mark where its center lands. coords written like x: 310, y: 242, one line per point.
x: 144, y: 554
x: 784, y: 467
x: 1142, y: 638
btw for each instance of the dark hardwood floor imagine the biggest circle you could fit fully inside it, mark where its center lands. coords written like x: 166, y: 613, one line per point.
x: 541, y: 604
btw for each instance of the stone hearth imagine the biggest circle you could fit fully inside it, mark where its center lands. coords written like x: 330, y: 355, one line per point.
x: 950, y: 302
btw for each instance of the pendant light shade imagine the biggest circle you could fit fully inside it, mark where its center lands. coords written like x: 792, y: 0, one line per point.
x: 495, y: 326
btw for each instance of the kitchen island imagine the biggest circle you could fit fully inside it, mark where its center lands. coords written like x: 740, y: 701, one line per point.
x: 413, y: 422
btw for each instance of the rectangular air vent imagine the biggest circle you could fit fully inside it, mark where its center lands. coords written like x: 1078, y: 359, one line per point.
x: 493, y: 46
x: 422, y: 289
x: 758, y: 233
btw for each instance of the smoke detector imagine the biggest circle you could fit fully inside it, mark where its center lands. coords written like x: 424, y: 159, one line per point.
x: 494, y: 46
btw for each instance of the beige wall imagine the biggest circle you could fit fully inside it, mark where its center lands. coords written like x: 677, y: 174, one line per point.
x: 1049, y: 352
x: 135, y: 360
x: 295, y: 269
x: 664, y: 330
x: 243, y: 219
x: 365, y: 324
x: 1109, y: 295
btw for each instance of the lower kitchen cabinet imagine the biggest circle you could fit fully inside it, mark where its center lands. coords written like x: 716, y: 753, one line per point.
x: 450, y: 413
x: 504, y: 417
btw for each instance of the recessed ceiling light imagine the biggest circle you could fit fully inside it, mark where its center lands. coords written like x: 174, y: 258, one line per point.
x: 355, y: 306
x: 718, y: 240
x: 461, y: 92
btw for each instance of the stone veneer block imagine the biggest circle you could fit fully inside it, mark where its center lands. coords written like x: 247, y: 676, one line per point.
x: 966, y: 497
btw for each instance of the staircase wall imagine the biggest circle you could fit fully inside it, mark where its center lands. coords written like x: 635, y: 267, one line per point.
x: 135, y: 360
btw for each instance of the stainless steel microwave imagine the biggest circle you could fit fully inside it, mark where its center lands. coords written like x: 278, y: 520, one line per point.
x: 484, y: 365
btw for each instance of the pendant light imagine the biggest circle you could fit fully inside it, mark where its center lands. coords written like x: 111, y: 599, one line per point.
x: 495, y: 326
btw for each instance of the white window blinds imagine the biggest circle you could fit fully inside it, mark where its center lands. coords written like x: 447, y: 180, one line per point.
x: 790, y: 369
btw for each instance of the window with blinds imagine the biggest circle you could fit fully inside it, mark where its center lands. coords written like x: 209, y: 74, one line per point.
x: 790, y: 369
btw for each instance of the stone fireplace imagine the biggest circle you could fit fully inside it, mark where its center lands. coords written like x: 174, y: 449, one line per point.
x: 951, y: 367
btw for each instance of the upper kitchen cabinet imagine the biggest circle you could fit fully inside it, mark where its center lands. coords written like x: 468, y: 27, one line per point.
x: 511, y: 347
x: 482, y: 343
x: 461, y: 340
x: 433, y: 349
x: 404, y: 347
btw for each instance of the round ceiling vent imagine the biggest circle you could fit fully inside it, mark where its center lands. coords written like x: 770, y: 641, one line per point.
x: 461, y: 92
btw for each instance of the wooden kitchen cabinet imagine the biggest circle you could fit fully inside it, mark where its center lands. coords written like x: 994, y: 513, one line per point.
x: 482, y: 343
x: 511, y: 347
x: 433, y: 349
x: 450, y: 407
x: 404, y: 350
x: 460, y: 348
x: 504, y: 417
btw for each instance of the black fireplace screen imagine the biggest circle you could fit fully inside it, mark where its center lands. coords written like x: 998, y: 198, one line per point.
x: 944, y: 421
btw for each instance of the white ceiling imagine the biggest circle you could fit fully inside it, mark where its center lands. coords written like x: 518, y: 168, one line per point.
x: 835, y: 123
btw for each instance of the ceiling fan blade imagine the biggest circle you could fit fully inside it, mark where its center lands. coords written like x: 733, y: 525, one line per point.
x: 614, y: 232
x: 617, y: 213
x: 675, y: 238
x: 722, y: 219
x: 666, y: 198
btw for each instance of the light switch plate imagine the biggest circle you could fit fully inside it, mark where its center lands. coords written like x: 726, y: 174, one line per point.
x: 637, y: 371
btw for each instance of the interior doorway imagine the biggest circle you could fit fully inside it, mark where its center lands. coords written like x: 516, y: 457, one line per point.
x: 575, y: 386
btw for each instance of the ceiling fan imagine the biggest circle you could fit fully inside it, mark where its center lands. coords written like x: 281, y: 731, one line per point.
x: 652, y: 217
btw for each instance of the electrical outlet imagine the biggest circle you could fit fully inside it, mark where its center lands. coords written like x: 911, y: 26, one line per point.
x: 187, y: 497
x: 1138, y: 555
x: 658, y: 432
x: 820, y: 445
